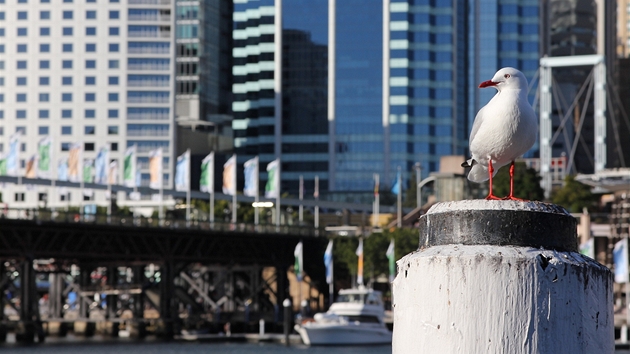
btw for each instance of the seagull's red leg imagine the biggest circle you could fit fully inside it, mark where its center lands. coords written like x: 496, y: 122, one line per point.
x: 511, y: 196
x: 491, y: 172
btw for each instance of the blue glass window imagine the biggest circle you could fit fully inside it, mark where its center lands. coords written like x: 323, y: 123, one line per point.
x: 114, y: 31
x: 44, y: 15
x: 67, y: 15
x: 90, y: 97
x: 66, y: 80
x: 113, y: 15
x: 1, y: 48
x: 20, y: 81
x: 112, y: 97
x: 66, y: 64
x: 90, y: 80
x: 20, y: 114
x: 1, y: 32
x: 66, y: 47
x: 66, y: 113
x: 44, y: 64
x: 90, y: 47
x: 66, y: 130
x: 90, y: 64
x: 66, y: 97
x: 112, y: 130
x: 112, y: 113
x: 1, y: 15
x: 22, y: 32
x: 67, y: 31
x: 44, y: 31
x: 44, y: 97
x: 112, y: 80
x: 44, y: 81
x: 90, y: 31
x: 114, y: 47
x: 90, y: 15
x: 113, y: 64
x: 43, y: 114
x: 89, y: 130
x: 21, y: 64
x: 44, y: 48
x: 43, y: 130
x: 22, y: 15
x: 90, y: 113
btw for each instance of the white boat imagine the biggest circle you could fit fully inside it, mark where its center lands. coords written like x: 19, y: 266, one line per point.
x: 355, y: 318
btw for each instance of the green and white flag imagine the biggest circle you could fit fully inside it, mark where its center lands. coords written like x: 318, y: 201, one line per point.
x: 129, y: 167
x: 3, y: 165
x: 299, y: 261
x: 272, y: 189
x: 206, y: 182
x: 43, y: 163
x: 392, y: 261
x: 88, y: 170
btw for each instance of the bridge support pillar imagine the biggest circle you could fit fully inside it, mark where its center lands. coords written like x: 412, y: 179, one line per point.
x: 30, y: 324
x: 167, y: 295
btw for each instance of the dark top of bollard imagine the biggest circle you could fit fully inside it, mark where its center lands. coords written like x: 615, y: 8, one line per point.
x: 500, y: 223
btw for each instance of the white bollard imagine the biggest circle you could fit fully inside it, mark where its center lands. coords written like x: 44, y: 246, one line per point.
x: 501, y: 277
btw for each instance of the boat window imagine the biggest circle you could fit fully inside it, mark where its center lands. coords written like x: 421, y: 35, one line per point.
x: 355, y: 298
x: 365, y: 319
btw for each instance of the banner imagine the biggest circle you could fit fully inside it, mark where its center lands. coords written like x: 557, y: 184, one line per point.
x: 155, y: 168
x: 328, y: 262
x: 206, y: 182
x: 620, y: 260
x: 88, y: 170
x: 43, y: 160
x: 182, y: 172
x: 359, y: 253
x: 229, y: 176
x: 3, y: 165
x: 392, y: 260
x: 299, y: 261
x: 13, y: 156
x: 62, y: 170
x: 101, y: 166
x: 272, y: 189
x: 112, y: 175
x: 31, y: 167
x: 74, y: 162
x: 397, y: 188
x: 251, y: 177
x: 129, y: 167
x: 588, y: 248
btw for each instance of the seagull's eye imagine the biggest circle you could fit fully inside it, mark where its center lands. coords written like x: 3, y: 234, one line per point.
x: 507, y: 76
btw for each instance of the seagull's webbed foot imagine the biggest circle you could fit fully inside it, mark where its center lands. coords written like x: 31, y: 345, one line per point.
x: 511, y: 197
x: 493, y: 197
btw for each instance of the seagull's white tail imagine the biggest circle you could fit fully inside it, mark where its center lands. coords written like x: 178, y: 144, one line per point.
x: 479, y: 173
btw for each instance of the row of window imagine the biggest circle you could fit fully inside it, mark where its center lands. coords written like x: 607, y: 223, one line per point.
x: 133, y: 113
x: 65, y: 47
x: 64, y: 1
x: 65, y: 114
x: 66, y: 15
x: 65, y: 31
x: 67, y: 96
x: 65, y: 80
x: 65, y: 64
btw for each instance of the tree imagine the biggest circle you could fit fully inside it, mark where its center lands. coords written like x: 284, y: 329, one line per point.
x: 574, y: 196
x: 526, y: 182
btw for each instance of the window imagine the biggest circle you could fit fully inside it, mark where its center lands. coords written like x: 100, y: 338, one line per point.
x: 66, y: 64
x: 67, y: 15
x: 22, y: 32
x: 19, y: 197
x: 44, y: 81
x: 67, y: 31
x: 90, y: 97
x: 65, y: 146
x: 66, y: 113
x: 66, y: 130
x: 22, y: 15
x: 112, y: 97
x: 90, y: 80
x: 90, y: 64
x: 66, y: 80
x: 21, y: 48
x: 112, y: 113
x: 113, y: 146
x: 1, y: 32
x: 2, y: 116
x: 90, y: 47
x: 112, y: 80
x: 42, y: 1
x: 44, y: 64
x: 44, y: 97
x: 114, y: 15
x: 90, y: 113
x: 20, y: 81
x: 44, y: 48
x: 1, y: 97
x: 42, y: 130
x: 20, y: 97
x: 90, y: 15
x: 44, y: 15
x: 89, y: 130
x: 114, y: 31
x: 88, y: 147
x: 1, y: 81
x: 90, y: 31
x: 112, y: 130
x: 113, y: 64
x: 43, y: 114
x: 20, y: 114
x: 44, y: 31
x: 114, y: 47
x: 66, y: 97
x: 66, y: 47
x: 21, y: 64
x: 1, y: 48
x: 22, y: 131
x: 1, y: 15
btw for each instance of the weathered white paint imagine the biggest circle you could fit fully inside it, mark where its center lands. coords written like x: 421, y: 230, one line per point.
x: 498, y: 299
x: 482, y: 204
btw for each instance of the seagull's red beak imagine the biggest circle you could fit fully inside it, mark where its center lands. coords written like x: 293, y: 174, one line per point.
x: 488, y: 84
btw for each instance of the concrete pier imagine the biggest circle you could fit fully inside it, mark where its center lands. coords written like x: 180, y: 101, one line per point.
x: 501, y: 277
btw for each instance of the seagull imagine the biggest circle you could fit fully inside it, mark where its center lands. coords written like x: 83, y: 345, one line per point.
x: 503, y: 130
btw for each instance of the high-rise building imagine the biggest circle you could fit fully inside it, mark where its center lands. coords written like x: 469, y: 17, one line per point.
x: 96, y: 72
x: 347, y: 89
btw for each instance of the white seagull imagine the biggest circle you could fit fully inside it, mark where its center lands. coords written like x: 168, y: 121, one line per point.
x: 503, y: 130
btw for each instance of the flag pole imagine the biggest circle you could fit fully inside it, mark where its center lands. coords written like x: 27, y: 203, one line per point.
x: 400, y: 190
x: 188, y: 188
x: 278, y: 194
x: 52, y: 177
x: 211, y: 189
x: 256, y: 199
x: 316, y: 195
x: 234, y: 195
x: 301, y: 212
x: 82, y: 184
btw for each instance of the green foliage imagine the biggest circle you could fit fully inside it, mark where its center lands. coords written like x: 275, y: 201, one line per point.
x: 526, y: 182
x: 574, y: 196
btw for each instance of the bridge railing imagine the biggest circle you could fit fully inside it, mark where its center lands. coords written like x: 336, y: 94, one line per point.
x: 59, y: 216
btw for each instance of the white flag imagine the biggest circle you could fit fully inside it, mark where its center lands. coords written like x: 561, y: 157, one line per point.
x: 251, y: 177
x: 272, y: 189
x: 206, y: 182
x: 182, y: 172
x: 620, y: 259
x: 129, y: 167
x: 328, y: 262
x: 43, y: 161
x: 229, y: 176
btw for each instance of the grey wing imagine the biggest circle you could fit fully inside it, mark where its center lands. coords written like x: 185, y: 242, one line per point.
x: 476, y: 124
